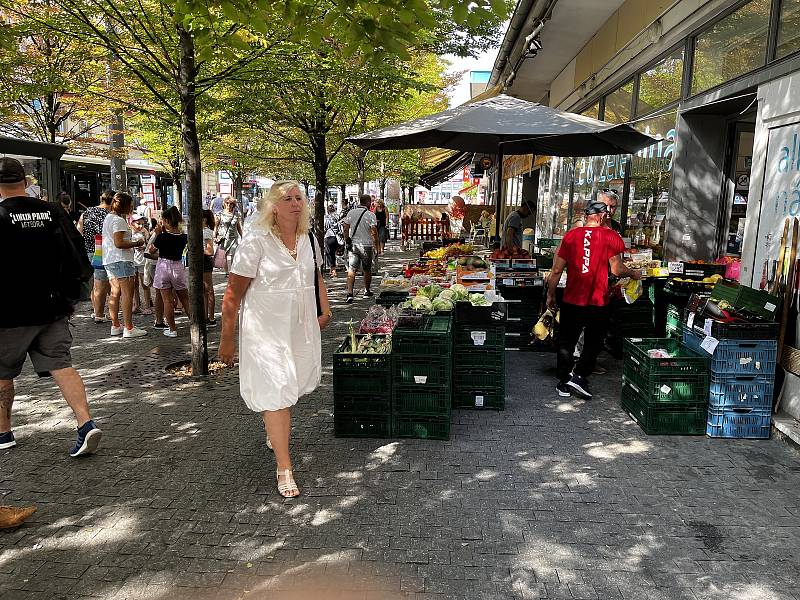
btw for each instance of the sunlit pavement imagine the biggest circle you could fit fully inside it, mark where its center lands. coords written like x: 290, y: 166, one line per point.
x: 548, y: 499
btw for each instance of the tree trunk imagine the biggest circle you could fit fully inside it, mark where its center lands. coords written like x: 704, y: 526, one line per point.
x: 382, y: 182
x: 361, y: 169
x: 191, y: 150
x: 343, y: 199
x: 119, y: 180
x: 318, y: 143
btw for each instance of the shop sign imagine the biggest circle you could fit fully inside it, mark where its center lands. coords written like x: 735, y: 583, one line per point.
x: 780, y: 198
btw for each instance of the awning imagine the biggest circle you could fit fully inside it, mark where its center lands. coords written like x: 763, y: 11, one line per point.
x: 442, y: 171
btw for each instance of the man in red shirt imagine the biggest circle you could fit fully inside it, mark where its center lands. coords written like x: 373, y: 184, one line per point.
x: 586, y: 253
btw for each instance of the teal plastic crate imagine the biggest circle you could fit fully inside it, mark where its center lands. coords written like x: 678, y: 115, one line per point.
x: 422, y: 371
x: 421, y: 427
x: 476, y: 337
x: 362, y: 425
x: 479, y: 397
x: 433, y: 338
x: 663, y: 418
x: 428, y: 401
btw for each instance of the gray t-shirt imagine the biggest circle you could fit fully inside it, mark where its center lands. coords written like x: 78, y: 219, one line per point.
x: 362, y: 237
x: 513, y: 222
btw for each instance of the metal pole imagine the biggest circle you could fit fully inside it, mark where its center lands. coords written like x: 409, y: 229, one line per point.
x: 500, y: 189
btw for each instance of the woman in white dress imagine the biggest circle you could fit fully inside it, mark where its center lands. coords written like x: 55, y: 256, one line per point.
x: 272, y: 278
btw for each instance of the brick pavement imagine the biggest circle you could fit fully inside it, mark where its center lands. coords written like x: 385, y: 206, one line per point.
x: 549, y: 499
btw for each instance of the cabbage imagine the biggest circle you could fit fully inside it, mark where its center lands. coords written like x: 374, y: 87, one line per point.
x: 421, y: 303
x: 429, y: 291
x: 441, y: 304
x: 446, y: 294
x: 478, y: 300
x: 459, y: 292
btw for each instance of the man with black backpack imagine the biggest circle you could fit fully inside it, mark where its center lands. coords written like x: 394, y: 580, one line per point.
x: 43, y: 255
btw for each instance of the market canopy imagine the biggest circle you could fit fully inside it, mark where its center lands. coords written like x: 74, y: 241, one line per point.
x: 510, y: 125
x: 445, y: 169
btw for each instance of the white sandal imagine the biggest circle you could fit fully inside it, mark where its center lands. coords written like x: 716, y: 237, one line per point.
x: 269, y: 444
x: 288, y: 487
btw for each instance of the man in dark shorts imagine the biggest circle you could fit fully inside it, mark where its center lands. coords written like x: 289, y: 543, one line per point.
x: 586, y: 253
x: 34, y: 321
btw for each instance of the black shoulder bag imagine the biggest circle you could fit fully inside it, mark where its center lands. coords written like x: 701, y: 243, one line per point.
x: 316, y: 272
x: 349, y: 241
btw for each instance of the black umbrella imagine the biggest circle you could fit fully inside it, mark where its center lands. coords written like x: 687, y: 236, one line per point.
x: 521, y: 127
x: 506, y: 125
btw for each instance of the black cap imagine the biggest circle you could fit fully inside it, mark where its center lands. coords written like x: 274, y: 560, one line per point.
x: 595, y: 208
x: 11, y: 170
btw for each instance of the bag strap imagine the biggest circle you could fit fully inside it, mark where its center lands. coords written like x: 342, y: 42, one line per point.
x: 316, y: 272
x: 355, y: 229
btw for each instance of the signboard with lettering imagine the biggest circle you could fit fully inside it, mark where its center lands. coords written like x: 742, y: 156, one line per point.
x: 780, y: 198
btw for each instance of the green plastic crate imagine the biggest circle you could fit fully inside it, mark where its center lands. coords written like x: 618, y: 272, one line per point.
x: 422, y: 401
x: 683, y: 362
x: 433, y: 338
x: 422, y: 371
x: 486, y: 361
x: 357, y: 402
x: 420, y: 427
x: 345, y: 362
x: 362, y: 425
x: 664, y: 419
x: 477, y: 337
x: 479, y: 397
x: 739, y: 296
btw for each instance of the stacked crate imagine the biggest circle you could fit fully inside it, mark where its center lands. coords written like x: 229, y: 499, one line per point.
x: 422, y: 377
x: 665, y: 395
x: 479, y: 366
x: 742, y: 383
x: 675, y: 326
x: 362, y: 392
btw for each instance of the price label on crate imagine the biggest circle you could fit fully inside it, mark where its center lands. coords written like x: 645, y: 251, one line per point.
x: 675, y: 268
x: 478, y: 401
x: 690, y: 320
x: 665, y: 389
x: 709, y: 344
x: 508, y: 281
x: 420, y: 379
x: 707, y: 326
x: 478, y: 338
x: 769, y: 306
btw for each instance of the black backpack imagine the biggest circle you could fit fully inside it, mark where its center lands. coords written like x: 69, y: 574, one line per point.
x: 75, y: 270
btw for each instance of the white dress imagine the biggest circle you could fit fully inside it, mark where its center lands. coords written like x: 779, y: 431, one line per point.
x: 280, y: 348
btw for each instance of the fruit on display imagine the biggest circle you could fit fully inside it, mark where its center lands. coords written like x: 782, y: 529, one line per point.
x: 472, y: 262
x: 448, y: 251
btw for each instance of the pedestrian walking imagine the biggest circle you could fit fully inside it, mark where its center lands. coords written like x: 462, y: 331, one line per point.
x: 118, y: 261
x: 142, y: 299
x: 382, y: 220
x: 208, y: 267
x: 331, y: 240
x: 36, y: 323
x: 586, y: 253
x: 170, y: 272
x: 361, y: 239
x: 228, y: 230
x: 90, y: 224
x: 276, y: 280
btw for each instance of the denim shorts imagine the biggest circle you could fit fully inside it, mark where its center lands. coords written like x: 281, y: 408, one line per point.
x: 120, y: 270
x: 99, y: 272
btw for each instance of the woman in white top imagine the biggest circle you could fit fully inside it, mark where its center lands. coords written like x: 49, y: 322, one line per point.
x: 118, y: 263
x: 273, y: 279
x: 142, y: 303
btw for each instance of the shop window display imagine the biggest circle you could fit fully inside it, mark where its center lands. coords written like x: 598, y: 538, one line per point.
x: 733, y: 46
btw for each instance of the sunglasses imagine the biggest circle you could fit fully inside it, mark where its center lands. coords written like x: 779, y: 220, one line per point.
x: 610, y: 191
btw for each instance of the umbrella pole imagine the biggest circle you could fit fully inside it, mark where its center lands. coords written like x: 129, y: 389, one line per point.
x: 500, y: 188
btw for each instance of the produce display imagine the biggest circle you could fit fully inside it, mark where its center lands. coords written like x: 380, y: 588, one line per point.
x: 449, y: 251
x: 367, y: 344
x: 379, y: 319
x: 395, y: 284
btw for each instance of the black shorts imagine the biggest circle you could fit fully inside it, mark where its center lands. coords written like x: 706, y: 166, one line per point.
x: 208, y: 264
x: 47, y: 345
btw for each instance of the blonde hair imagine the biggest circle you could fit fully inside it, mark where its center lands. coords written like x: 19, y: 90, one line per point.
x: 266, y: 213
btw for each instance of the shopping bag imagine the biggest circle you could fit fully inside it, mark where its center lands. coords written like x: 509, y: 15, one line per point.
x: 219, y: 258
x: 97, y: 257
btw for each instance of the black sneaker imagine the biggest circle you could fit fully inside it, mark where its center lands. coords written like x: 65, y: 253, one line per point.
x: 159, y: 326
x: 580, y: 385
x: 563, y: 390
x: 88, y: 440
x: 368, y: 294
x: 7, y: 440
x: 349, y: 299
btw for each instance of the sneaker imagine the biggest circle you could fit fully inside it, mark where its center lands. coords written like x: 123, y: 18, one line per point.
x: 563, y: 390
x: 368, y: 294
x: 7, y: 440
x: 170, y: 333
x: 349, y: 299
x: 580, y: 385
x: 88, y: 440
x: 116, y: 330
x: 159, y: 326
x: 134, y: 332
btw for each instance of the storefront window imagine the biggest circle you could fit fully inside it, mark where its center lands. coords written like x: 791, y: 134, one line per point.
x: 618, y: 104
x: 661, y: 84
x: 789, y: 28
x: 651, y: 176
x: 733, y: 46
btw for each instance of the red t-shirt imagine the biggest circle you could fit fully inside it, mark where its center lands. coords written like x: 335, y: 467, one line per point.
x: 587, y: 251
